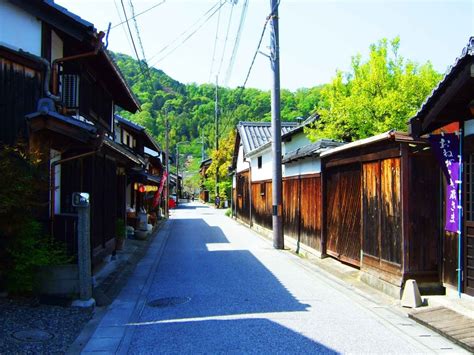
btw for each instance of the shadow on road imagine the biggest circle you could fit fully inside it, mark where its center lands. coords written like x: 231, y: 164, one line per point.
x: 220, y: 280
x: 242, y: 336
x: 200, y: 263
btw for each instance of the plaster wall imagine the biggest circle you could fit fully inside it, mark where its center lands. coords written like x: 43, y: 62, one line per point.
x: 18, y: 29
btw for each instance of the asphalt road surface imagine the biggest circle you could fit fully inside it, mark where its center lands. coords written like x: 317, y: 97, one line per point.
x: 211, y: 285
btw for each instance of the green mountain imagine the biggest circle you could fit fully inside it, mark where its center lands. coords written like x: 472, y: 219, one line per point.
x: 191, y: 108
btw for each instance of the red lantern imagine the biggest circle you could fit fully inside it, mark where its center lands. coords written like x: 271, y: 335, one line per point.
x: 141, y: 188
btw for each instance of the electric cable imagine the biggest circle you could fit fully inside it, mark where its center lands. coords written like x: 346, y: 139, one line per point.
x: 188, y: 37
x: 186, y: 31
x: 243, y: 16
x: 131, y: 37
x: 215, y: 45
x: 141, y: 13
x: 226, y: 38
x: 269, y: 17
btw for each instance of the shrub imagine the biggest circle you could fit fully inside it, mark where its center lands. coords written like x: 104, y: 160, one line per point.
x: 27, y: 251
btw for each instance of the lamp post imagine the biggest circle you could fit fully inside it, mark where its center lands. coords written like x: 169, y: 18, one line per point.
x: 177, y: 165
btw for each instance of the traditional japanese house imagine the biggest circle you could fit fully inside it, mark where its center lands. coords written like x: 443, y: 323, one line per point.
x: 251, y: 166
x: 142, y: 182
x: 58, y: 92
x: 380, y: 214
x: 203, y: 167
x: 450, y: 108
x: 302, y: 189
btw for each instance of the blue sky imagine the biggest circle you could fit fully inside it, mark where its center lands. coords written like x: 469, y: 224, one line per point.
x: 316, y: 37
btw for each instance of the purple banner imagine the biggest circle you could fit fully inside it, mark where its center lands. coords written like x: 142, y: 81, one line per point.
x: 446, y: 149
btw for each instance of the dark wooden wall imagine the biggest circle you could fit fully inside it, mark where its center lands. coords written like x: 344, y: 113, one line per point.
x: 243, y: 196
x: 343, y: 208
x: 382, y: 219
x: 96, y: 175
x: 424, y: 215
x: 262, y: 204
x: 20, y: 89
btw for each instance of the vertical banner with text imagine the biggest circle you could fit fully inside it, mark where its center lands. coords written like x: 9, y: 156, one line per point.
x: 156, y: 199
x: 446, y: 149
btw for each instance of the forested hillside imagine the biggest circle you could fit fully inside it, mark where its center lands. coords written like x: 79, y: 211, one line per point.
x: 191, y: 108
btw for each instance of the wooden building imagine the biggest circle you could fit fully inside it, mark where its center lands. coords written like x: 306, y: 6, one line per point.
x: 379, y: 212
x: 448, y: 108
x: 251, y: 166
x: 58, y: 92
x: 203, y: 167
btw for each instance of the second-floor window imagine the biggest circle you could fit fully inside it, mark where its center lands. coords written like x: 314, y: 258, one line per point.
x: 259, y: 162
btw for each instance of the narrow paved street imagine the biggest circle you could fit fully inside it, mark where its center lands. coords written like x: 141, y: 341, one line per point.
x: 220, y: 288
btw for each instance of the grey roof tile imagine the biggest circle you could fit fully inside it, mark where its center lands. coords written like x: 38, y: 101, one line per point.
x: 256, y: 134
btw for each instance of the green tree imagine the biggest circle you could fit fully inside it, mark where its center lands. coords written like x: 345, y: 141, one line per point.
x: 375, y: 96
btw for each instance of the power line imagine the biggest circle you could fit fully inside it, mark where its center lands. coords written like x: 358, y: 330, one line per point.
x: 215, y: 45
x: 269, y: 17
x: 147, y: 70
x: 256, y: 52
x: 131, y: 36
x: 243, y: 16
x: 226, y: 38
x: 141, y: 13
x: 186, y: 31
x: 188, y: 37
x: 123, y: 28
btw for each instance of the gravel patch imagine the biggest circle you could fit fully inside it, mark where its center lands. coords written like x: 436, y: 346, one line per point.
x: 56, y: 327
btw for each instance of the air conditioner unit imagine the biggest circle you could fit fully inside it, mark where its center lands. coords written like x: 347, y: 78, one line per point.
x: 70, y: 91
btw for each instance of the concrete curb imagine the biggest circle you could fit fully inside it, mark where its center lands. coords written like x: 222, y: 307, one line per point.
x: 120, y: 280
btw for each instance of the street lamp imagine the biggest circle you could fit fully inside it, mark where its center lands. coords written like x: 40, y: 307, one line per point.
x: 177, y: 164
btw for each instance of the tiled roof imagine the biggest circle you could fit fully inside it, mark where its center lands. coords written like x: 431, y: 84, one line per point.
x: 314, y: 149
x: 467, y: 53
x: 311, y: 119
x: 70, y: 14
x: 256, y: 134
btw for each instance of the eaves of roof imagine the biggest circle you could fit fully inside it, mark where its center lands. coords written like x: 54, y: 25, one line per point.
x: 389, y: 135
x: 124, y: 151
x: 310, y: 150
x: 466, y: 55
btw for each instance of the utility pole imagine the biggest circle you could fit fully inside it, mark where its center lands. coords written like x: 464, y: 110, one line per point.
x: 278, y: 241
x: 217, y: 134
x: 177, y: 168
x: 202, y: 145
x: 167, y: 193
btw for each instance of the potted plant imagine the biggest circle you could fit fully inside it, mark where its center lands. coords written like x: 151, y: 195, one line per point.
x: 119, y: 233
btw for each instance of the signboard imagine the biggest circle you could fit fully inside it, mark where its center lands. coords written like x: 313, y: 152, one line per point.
x: 446, y: 149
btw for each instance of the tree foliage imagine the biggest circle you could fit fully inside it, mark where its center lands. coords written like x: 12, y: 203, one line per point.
x: 378, y: 95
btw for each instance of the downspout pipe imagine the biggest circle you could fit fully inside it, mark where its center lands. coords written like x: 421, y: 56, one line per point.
x: 55, y: 62
x: 47, y: 77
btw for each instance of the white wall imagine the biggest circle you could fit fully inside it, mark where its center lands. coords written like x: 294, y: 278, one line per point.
x: 297, y: 141
x: 265, y: 172
x: 241, y: 164
x: 302, y: 167
x: 57, y: 46
x: 19, y: 29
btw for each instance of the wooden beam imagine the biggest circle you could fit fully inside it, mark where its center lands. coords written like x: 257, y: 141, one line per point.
x: 457, y: 83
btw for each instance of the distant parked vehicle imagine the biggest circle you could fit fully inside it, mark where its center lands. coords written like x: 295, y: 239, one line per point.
x: 172, y: 201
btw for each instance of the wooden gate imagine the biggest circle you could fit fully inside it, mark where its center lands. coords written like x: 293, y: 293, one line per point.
x: 243, y: 196
x: 343, y: 213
